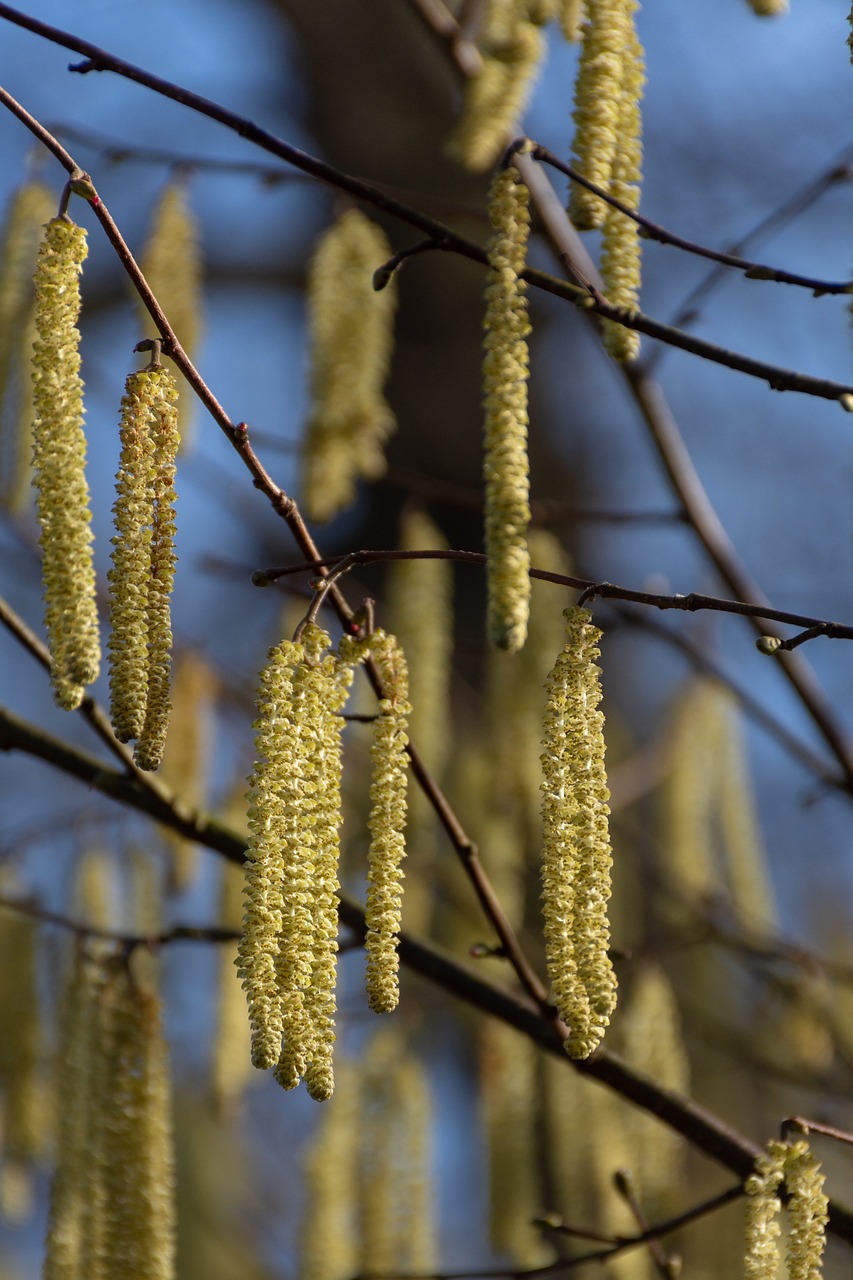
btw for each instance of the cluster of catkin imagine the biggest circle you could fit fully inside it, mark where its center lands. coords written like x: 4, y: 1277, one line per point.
x: 143, y: 561
x: 287, y: 954
x: 576, y: 858
x: 608, y: 152
x: 793, y: 1165
x: 111, y: 1209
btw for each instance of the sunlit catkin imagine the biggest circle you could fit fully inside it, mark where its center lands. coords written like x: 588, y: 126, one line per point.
x: 763, y: 1206
x: 807, y: 1213
x: 497, y: 94
x: 387, y: 825
x: 576, y: 858
x: 571, y: 14
x: 598, y: 106
x: 165, y: 441
x: 30, y: 208
x: 620, y: 242
x: 59, y: 456
x: 505, y: 462
x: 272, y: 824
x: 351, y: 341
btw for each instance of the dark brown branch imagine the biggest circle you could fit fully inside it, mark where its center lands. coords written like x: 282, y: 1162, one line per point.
x: 177, y: 933
x: 779, y: 379
x: 654, y: 231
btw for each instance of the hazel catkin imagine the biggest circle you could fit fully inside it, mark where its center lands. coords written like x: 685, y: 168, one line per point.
x: 505, y: 462
x: 59, y: 457
x: 576, y: 857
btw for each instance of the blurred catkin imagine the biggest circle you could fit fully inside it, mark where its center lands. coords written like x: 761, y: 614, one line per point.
x: 383, y: 909
x: 576, y: 856
x: 187, y: 756
x: 505, y: 370
x: 172, y: 265
x: 59, y: 458
x: 26, y: 1120
x: 29, y: 209
x: 512, y: 48
x: 621, y: 246
x: 351, y: 327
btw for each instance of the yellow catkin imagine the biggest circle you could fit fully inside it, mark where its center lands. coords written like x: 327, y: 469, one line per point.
x: 272, y: 825
x: 395, y: 1211
x: 165, y: 440
x: 420, y: 614
x: 768, y: 8
x: 511, y: 1096
x: 231, y: 1066
x: 576, y: 858
x: 287, y: 954
x: 351, y: 342
x: 652, y: 1042
x: 138, y: 1162
x: 572, y: 13
x: 763, y: 1206
x: 497, y: 94
x: 328, y: 1248
x: 23, y: 1100
x: 76, y: 1184
x: 387, y: 825
x: 172, y: 265
x: 598, y: 106
x: 807, y: 1213
x: 188, y: 752
x: 59, y: 456
x: 505, y: 462
x: 621, y: 249
x: 30, y: 207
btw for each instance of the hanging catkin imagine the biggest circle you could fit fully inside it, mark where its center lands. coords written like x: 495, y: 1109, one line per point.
x: 598, y: 106
x: 171, y: 263
x: 287, y: 955
x: 143, y: 563
x: 59, y: 456
x: 505, y: 463
x: 387, y: 825
x: 30, y: 208
x: 351, y: 342
x: 807, y: 1213
x: 620, y: 243
x: 576, y: 858
x: 496, y: 95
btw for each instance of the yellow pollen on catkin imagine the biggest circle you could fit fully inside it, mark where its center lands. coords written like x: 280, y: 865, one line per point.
x: 621, y: 246
x: 387, y: 825
x: 807, y: 1213
x: 166, y: 442
x: 598, y: 106
x: 571, y: 14
x: 351, y: 343
x: 505, y: 462
x: 59, y: 457
x: 576, y: 857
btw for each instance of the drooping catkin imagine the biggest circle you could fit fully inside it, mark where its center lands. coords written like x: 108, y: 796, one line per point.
x: 598, y: 106
x: 497, y: 94
x: 420, y: 614
x: 576, y: 858
x: 231, y: 1067
x: 24, y: 1110
x: 188, y: 753
x: 59, y: 457
x: 287, y: 955
x: 166, y: 441
x: 621, y: 246
x: 30, y: 208
x: 172, y: 265
x: 807, y: 1213
x: 505, y: 462
x: 383, y: 909
x: 571, y: 13
x: 351, y: 329
x: 328, y: 1247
